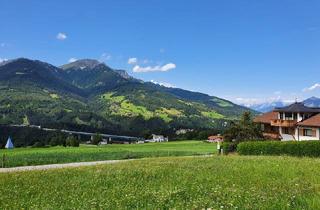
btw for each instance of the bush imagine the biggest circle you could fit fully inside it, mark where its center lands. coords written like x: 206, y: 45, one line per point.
x: 96, y: 139
x: 72, y: 142
x: 229, y: 147
x: 38, y: 144
x: 292, y: 148
x: 57, y: 140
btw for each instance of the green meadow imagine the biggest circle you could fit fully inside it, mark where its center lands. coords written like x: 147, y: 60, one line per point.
x: 217, y: 182
x: 52, y: 155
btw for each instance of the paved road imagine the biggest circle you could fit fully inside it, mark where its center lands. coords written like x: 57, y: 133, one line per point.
x: 76, y: 132
x: 56, y: 166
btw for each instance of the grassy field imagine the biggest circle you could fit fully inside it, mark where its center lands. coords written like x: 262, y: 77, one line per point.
x: 40, y: 156
x: 218, y: 182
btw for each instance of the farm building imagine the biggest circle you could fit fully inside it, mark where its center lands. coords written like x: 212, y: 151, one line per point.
x: 159, y: 138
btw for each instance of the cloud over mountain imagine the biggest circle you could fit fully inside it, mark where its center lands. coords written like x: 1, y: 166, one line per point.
x: 163, y: 68
x: 132, y: 60
x: 71, y: 60
x: 313, y: 87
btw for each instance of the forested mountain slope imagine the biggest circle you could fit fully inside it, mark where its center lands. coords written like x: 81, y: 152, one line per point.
x: 89, y: 95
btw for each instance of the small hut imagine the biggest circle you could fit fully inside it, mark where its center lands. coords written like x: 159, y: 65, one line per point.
x: 9, y: 144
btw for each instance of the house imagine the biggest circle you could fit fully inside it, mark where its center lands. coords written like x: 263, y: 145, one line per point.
x: 294, y: 122
x: 217, y: 138
x: 158, y: 138
x: 183, y: 131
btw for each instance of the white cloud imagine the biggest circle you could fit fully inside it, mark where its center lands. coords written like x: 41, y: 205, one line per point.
x: 3, y: 60
x: 61, y: 36
x: 247, y: 100
x: 132, y: 60
x: 313, y: 87
x: 166, y: 67
x: 71, y: 60
x: 256, y: 101
x: 105, y: 57
x: 165, y: 84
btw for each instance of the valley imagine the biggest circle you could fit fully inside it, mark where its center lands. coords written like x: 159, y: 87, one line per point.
x: 91, y: 96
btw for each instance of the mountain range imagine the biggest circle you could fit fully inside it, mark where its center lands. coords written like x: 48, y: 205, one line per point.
x: 268, y: 106
x: 89, y: 95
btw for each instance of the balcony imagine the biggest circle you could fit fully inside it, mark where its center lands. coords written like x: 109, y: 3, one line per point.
x: 283, y: 123
x: 271, y: 135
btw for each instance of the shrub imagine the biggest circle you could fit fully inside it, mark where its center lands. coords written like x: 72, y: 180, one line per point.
x: 229, y: 147
x: 96, y: 139
x: 72, y: 142
x: 38, y: 144
x: 292, y: 148
x: 57, y: 140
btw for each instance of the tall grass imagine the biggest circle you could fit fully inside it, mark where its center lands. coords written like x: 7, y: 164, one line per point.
x: 218, y: 182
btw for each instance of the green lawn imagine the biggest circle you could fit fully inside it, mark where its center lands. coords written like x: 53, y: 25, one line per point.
x: 218, y: 182
x: 40, y: 156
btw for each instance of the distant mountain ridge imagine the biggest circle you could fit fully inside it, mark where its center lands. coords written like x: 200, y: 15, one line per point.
x: 312, y: 102
x: 269, y: 106
x: 90, y: 95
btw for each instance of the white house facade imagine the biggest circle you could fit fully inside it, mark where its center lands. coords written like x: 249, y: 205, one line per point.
x: 159, y: 138
x: 294, y: 122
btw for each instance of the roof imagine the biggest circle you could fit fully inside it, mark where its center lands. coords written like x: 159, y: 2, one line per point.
x: 215, y: 137
x: 297, y: 107
x: 266, y: 117
x: 313, y: 121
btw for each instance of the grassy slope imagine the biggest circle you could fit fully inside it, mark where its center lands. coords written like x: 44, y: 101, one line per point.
x: 16, y: 104
x: 149, y: 104
x: 40, y: 156
x: 165, y: 183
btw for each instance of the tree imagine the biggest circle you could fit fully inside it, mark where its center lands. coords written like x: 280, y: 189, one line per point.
x: 243, y: 130
x: 97, y: 138
x: 72, y: 142
x: 58, y: 139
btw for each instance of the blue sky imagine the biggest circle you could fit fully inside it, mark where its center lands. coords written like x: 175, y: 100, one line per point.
x: 242, y: 50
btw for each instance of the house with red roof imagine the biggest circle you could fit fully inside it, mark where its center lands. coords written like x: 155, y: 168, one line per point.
x: 217, y: 138
x: 294, y: 122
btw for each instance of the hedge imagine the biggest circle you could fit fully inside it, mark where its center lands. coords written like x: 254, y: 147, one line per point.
x: 293, y: 148
x: 229, y: 147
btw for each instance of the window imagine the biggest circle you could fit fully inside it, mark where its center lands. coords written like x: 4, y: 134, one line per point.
x: 285, y: 130
x: 289, y: 131
x: 307, y: 132
x: 281, y: 115
x: 288, y: 116
x: 295, y: 116
x: 305, y: 116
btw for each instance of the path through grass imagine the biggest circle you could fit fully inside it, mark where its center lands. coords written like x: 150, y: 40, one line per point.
x: 218, y: 182
x: 41, y: 156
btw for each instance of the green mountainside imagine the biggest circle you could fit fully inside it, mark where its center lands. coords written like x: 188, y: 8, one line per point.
x: 89, y: 95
